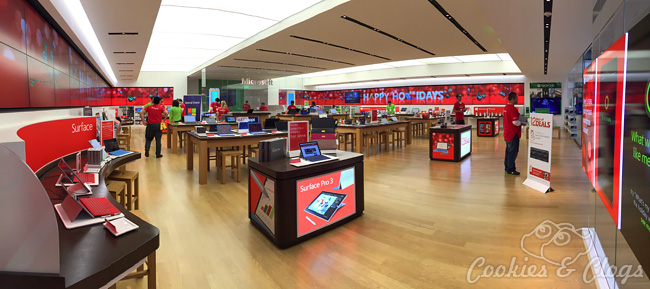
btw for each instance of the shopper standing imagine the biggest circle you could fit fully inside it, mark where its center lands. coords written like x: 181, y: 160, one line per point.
x: 511, y: 133
x: 390, y: 108
x: 459, y: 109
x: 176, y: 112
x: 154, y: 115
x: 246, y: 106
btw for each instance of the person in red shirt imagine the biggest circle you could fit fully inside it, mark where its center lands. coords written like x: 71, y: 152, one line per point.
x: 511, y: 133
x: 246, y: 106
x: 180, y: 101
x: 291, y: 106
x: 154, y: 116
x: 215, y: 105
x: 263, y: 107
x: 222, y: 110
x: 459, y: 109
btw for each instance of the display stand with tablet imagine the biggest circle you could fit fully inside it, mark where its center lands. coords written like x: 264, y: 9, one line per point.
x: 325, y: 205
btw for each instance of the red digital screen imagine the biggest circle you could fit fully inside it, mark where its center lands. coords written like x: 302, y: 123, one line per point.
x: 442, y: 146
x: 41, y: 84
x: 474, y: 94
x: 61, y: 88
x: 40, y: 37
x: 12, y: 23
x: 13, y: 78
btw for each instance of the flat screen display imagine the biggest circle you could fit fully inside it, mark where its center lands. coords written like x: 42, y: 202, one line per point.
x: 325, y: 200
x: 546, y: 105
x: 606, y: 105
x: 353, y: 97
x: 465, y: 143
x: 13, y: 78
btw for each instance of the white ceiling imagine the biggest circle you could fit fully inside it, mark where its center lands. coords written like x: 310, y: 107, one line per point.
x: 186, y: 34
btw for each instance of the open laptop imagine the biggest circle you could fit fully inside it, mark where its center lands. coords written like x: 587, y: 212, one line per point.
x: 210, y: 121
x: 224, y: 130
x: 112, y: 148
x: 242, y: 127
x: 78, y: 183
x: 189, y: 119
x: 442, y: 147
x: 256, y: 128
x: 310, y: 152
x: 230, y: 119
x: 250, y: 111
x: 72, y: 205
x: 333, y: 111
x: 282, y: 126
x: 293, y: 111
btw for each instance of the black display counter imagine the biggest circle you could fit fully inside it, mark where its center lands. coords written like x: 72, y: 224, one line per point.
x: 487, y: 126
x: 450, y: 143
x: 292, y: 204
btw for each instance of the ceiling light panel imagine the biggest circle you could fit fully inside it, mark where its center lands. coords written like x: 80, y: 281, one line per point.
x: 504, y: 56
x: 405, y: 63
x: 204, y: 29
x: 439, y: 60
x: 479, y: 58
x: 274, y: 10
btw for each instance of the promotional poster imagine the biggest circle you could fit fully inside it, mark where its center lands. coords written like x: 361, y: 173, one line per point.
x: 262, y: 201
x: 540, y: 145
x: 298, y: 133
x: 443, y: 146
x: 193, y: 105
x: 465, y: 143
x: 325, y: 200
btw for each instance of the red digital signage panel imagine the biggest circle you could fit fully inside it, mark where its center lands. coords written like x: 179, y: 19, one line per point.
x: 474, y: 94
x: 40, y: 37
x: 12, y: 23
x: 41, y: 84
x: 61, y: 88
x: 13, y: 78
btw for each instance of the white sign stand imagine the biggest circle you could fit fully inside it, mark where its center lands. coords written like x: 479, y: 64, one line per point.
x: 540, y: 144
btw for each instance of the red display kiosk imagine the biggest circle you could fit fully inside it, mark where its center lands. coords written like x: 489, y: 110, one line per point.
x: 450, y: 143
x: 487, y: 127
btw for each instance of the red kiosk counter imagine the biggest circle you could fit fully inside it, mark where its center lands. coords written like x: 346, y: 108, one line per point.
x: 292, y: 204
x: 450, y: 143
x: 487, y: 126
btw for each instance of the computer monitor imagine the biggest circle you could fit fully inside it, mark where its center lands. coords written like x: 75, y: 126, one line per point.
x: 415, y: 110
x: 320, y: 111
x: 293, y: 111
x: 269, y: 123
x: 333, y: 111
x: 224, y: 117
x: 249, y: 111
x: 138, y: 109
x: 189, y: 118
x: 403, y: 109
x: 230, y: 119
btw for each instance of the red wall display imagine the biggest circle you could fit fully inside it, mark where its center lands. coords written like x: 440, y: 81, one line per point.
x: 72, y: 134
x: 474, y: 94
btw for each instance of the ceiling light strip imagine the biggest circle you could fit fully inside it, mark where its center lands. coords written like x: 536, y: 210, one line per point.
x: 548, y: 9
x: 339, y: 46
x: 306, y: 56
x: 386, y: 34
x: 220, y: 10
x: 280, y: 63
x: 453, y: 21
x: 255, y: 68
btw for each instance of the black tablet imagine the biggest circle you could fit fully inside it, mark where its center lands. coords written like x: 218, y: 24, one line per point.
x: 325, y: 205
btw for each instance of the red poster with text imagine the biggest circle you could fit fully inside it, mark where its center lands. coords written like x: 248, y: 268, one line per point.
x: 539, y: 173
x: 108, y: 131
x: 442, y: 146
x: 47, y: 141
x: 298, y: 133
x: 324, y: 200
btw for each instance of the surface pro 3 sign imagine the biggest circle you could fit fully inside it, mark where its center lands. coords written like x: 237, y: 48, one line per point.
x: 540, y: 143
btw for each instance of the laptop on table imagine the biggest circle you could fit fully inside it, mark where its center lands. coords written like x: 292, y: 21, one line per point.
x: 189, y: 119
x: 310, y: 152
x: 112, y: 148
x: 78, y: 184
x: 230, y: 119
x: 242, y: 127
x: 256, y: 128
x: 282, y: 126
x: 224, y: 130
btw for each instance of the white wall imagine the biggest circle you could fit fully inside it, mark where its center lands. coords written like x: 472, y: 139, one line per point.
x: 177, y: 80
x: 11, y: 122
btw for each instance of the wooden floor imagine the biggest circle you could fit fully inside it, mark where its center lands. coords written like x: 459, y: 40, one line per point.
x: 424, y: 225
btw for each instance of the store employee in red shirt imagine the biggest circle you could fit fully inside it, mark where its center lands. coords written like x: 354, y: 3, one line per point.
x: 154, y: 116
x: 263, y: 107
x: 511, y: 133
x: 180, y: 101
x: 215, y: 106
x: 246, y: 106
x: 459, y: 109
x: 292, y: 106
